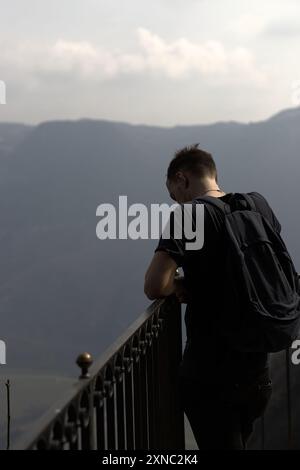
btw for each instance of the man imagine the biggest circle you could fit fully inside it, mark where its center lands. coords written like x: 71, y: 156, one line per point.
x: 222, y: 390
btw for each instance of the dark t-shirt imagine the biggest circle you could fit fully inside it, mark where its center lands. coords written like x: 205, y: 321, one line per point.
x: 206, y: 357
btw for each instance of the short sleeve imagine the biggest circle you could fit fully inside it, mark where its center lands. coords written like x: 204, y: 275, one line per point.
x: 275, y: 222
x: 170, y: 243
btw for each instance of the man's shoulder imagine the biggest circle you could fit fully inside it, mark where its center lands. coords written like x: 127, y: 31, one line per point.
x: 263, y: 206
x: 258, y: 196
x: 260, y: 201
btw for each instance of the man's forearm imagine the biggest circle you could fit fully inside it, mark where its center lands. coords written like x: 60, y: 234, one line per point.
x: 176, y: 286
x: 163, y: 291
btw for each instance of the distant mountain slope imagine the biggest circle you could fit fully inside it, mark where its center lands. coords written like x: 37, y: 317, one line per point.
x: 30, y: 397
x: 61, y: 289
x: 11, y: 135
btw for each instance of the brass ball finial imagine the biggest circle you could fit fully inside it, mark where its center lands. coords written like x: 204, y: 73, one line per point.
x: 84, y: 361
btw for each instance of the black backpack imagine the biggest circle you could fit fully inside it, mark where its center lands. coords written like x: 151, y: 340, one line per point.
x: 260, y: 284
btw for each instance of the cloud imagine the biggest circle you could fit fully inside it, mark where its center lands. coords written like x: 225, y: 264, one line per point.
x: 177, y: 60
x: 285, y: 28
x: 183, y: 59
x: 247, y: 25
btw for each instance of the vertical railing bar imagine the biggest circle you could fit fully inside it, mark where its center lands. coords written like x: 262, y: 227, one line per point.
x: 74, y: 445
x: 72, y: 429
x: 143, y: 401
x: 120, y: 413
x: 125, y: 411
x: 137, y: 403
x: 174, y: 338
x: 105, y: 423
x: 100, y: 426
x: 111, y: 427
x: 163, y: 398
x: 86, y: 431
x: 78, y: 443
x: 8, y: 414
x: 116, y: 415
x: 149, y: 396
x: 92, y: 422
x: 80, y: 439
x: 151, y: 403
x: 263, y: 432
x: 146, y: 400
x: 289, y: 398
x: 130, y: 437
x: 156, y: 386
x: 85, y: 437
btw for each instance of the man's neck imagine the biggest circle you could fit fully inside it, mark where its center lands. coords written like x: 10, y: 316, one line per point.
x: 209, y: 187
x: 213, y: 193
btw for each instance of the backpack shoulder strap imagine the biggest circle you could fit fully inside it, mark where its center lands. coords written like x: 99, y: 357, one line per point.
x: 225, y: 207
x: 216, y: 202
x: 249, y: 200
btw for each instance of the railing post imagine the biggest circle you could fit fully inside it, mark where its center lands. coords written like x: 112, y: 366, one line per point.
x: 84, y: 361
x: 88, y: 438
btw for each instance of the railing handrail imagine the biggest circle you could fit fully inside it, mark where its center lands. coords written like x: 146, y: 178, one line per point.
x: 41, y: 426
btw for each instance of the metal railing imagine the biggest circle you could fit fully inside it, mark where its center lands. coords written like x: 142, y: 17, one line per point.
x: 128, y: 399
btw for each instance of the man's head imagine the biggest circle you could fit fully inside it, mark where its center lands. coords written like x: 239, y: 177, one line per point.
x: 191, y: 172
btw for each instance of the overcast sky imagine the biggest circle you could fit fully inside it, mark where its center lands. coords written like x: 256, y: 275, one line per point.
x: 162, y: 62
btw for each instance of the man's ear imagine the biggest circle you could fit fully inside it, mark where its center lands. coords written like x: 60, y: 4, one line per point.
x: 182, y: 178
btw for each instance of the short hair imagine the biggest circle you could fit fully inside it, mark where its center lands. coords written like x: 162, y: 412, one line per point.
x: 193, y: 159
